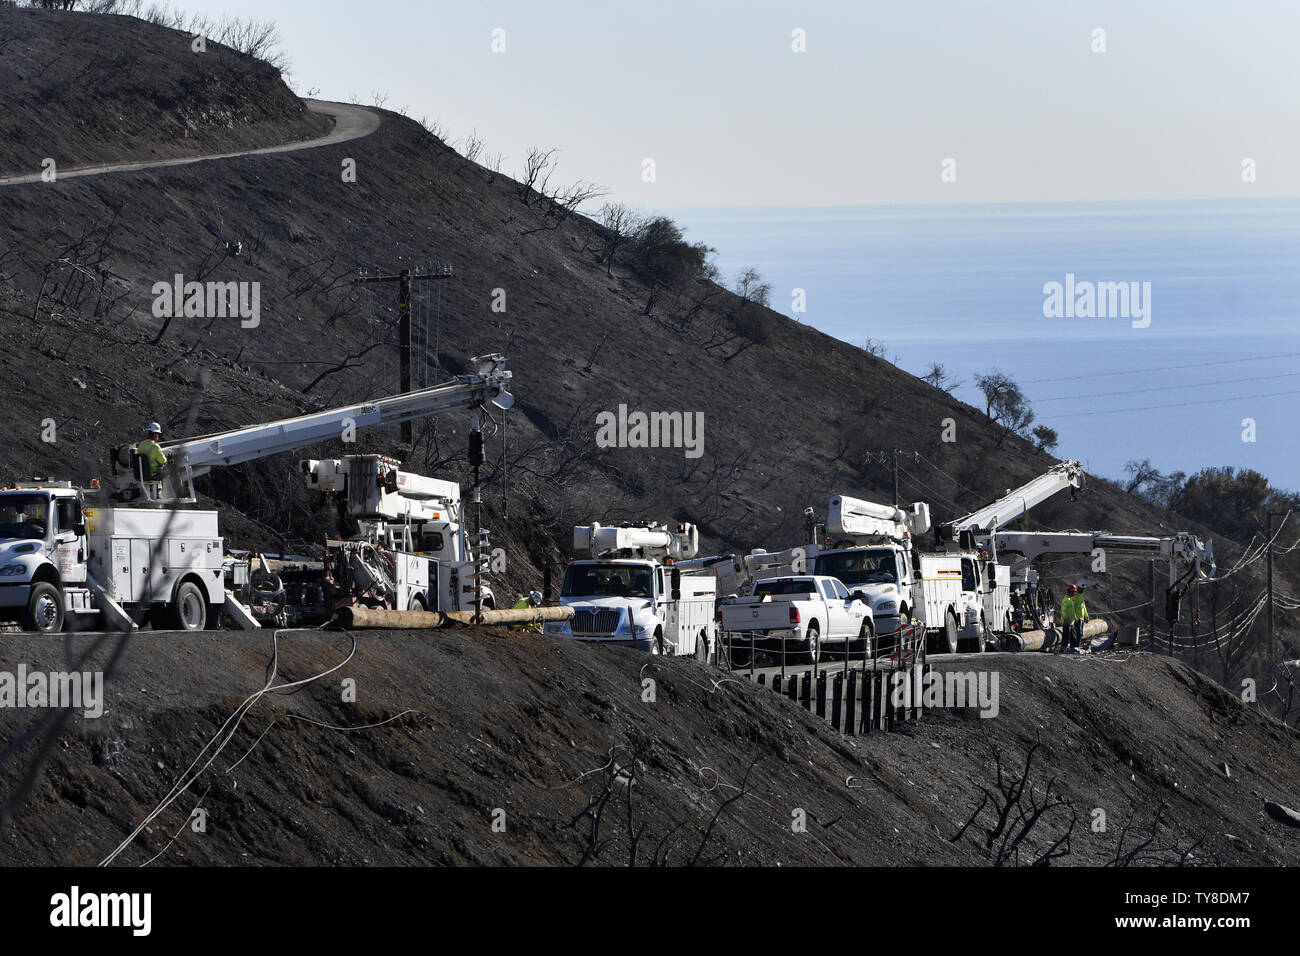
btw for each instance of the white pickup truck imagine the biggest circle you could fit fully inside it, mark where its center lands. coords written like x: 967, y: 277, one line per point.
x: 801, y: 611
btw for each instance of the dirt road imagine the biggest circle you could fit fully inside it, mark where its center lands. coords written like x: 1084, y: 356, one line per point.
x: 350, y: 122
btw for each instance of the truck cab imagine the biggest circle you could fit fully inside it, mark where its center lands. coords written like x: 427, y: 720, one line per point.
x: 632, y: 602
x: 43, y: 554
x: 629, y: 591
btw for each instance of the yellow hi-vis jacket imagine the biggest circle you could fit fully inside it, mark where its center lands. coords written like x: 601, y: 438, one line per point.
x: 152, y: 452
x: 535, y: 626
x: 1072, y: 608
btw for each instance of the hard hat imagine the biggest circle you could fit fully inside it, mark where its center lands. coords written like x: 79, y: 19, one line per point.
x: 153, y: 428
x: 535, y: 597
x: 1071, y: 590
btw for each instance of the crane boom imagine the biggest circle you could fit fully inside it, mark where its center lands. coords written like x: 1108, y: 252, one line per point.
x: 487, y: 383
x: 1182, y: 547
x: 1068, y: 474
x: 855, y: 518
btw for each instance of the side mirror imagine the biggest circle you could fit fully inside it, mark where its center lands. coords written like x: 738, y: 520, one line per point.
x: 677, y: 584
x: 80, y: 529
x: 859, y: 596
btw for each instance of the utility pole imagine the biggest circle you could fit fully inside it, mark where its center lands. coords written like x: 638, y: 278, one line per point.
x: 884, y: 455
x: 1271, y: 633
x: 1151, y: 608
x: 404, y: 348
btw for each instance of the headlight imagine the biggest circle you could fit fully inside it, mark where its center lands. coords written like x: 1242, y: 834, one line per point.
x: 887, y: 607
x: 640, y: 628
x: 13, y: 570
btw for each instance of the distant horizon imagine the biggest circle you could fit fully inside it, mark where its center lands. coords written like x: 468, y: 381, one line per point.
x: 963, y: 286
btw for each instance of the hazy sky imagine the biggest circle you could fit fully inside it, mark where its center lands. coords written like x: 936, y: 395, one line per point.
x: 712, y: 91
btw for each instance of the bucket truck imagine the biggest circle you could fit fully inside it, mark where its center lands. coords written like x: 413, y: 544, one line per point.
x: 630, y: 591
x: 874, y: 553
x: 136, y: 553
x: 411, y: 552
x: 977, y: 532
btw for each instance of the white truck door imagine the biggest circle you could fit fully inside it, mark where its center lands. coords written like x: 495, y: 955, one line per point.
x: 70, y: 542
x: 834, y: 618
x: 851, y: 613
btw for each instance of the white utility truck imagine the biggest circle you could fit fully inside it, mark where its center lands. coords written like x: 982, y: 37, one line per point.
x: 805, y: 612
x: 142, y: 552
x: 411, y: 551
x: 978, y: 533
x: 629, y: 591
x: 63, y: 554
x: 872, y: 552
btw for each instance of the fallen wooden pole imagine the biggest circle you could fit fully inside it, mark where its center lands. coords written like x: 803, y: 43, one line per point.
x: 511, y: 615
x: 1046, y: 640
x: 372, y: 618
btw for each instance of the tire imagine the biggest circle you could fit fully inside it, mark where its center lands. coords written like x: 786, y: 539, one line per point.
x: 702, y: 647
x: 44, y: 612
x: 868, y: 637
x: 973, y: 645
x: 189, y: 610
x: 658, y: 646
x: 417, y: 603
x: 948, y: 639
x: 812, y: 644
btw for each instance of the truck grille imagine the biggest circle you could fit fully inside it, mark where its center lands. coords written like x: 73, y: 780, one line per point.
x: 603, y: 620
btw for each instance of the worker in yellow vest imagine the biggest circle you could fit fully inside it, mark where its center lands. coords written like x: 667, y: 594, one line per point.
x: 532, y: 599
x: 1073, y: 613
x: 151, y: 452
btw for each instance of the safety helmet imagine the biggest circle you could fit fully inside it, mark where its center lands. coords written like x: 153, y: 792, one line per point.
x: 153, y: 429
x: 535, y: 597
x: 1071, y: 590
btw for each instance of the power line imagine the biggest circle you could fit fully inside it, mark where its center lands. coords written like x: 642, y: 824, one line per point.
x: 1167, y: 388
x: 1155, y: 368
x: 1144, y: 408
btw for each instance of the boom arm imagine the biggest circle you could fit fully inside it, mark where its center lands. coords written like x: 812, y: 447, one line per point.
x: 488, y: 383
x: 642, y: 541
x: 1183, y: 547
x: 854, y: 518
x: 1068, y: 474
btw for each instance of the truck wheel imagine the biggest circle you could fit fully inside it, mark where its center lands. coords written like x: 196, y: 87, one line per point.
x: 812, y: 644
x: 189, y: 612
x: 417, y: 603
x: 973, y: 645
x: 659, y: 647
x: 702, y: 647
x: 868, y: 637
x: 949, y: 636
x: 44, y: 609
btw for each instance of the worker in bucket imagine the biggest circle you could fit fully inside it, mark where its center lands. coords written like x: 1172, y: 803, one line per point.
x: 532, y: 599
x: 151, y: 452
x: 1073, y: 613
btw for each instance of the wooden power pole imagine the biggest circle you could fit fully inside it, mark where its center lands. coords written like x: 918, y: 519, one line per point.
x: 404, y: 334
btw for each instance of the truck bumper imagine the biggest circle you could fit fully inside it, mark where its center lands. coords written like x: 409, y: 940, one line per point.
x: 640, y: 644
x: 15, y: 595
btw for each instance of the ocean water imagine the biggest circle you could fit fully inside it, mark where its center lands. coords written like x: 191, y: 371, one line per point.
x: 964, y: 286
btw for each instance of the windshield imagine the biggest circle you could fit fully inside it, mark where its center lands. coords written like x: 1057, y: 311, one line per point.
x: 796, y: 586
x: 607, y: 580
x: 24, y: 516
x: 869, y: 566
